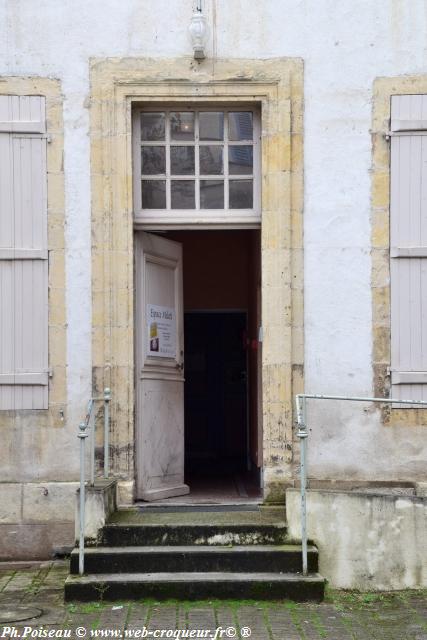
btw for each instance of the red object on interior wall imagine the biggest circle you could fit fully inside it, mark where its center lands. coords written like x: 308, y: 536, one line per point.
x: 249, y: 343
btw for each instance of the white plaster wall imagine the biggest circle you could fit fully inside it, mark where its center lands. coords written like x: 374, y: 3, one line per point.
x: 364, y: 541
x: 345, y: 46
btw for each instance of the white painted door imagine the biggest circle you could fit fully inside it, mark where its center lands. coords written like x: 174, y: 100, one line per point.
x: 160, y: 368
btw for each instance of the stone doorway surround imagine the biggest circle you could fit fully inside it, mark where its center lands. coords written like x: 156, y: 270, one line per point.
x: 275, y: 84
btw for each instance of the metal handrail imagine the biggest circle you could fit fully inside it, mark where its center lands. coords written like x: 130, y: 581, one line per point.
x: 302, y: 434
x: 89, y: 423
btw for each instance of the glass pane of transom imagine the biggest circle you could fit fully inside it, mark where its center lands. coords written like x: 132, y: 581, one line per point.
x: 211, y: 125
x: 240, y: 194
x: 182, y: 161
x: 182, y: 125
x: 211, y: 162
x: 212, y: 194
x: 240, y: 159
x: 240, y: 125
x: 152, y: 126
x: 153, y: 193
x: 153, y: 160
x: 182, y: 194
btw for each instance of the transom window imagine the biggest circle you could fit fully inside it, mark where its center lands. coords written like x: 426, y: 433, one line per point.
x: 197, y: 160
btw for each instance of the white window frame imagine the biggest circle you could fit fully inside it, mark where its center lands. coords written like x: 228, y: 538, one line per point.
x: 198, y: 218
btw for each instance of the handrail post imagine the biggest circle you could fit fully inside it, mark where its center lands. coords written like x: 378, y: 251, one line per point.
x: 90, y: 421
x: 107, y: 398
x: 302, y: 434
x: 82, y: 435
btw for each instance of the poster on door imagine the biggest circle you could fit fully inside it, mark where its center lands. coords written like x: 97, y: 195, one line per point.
x: 161, y: 331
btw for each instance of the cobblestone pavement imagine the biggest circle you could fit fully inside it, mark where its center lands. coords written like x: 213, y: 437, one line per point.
x: 343, y: 616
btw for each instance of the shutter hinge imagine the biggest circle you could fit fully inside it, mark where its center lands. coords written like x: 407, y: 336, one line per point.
x: 50, y: 373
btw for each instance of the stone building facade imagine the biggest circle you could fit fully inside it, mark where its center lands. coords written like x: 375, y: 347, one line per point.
x: 319, y: 79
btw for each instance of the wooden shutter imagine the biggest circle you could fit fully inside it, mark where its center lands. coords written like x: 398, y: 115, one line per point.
x: 23, y: 254
x: 408, y: 247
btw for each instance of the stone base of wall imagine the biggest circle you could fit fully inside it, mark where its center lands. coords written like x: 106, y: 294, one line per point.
x: 366, y: 540
x: 35, y: 541
x: 100, y: 503
x: 36, y: 519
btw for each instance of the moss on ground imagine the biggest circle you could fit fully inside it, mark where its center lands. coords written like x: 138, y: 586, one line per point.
x: 341, y: 599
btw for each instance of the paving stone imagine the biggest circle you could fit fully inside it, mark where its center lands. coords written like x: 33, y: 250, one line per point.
x: 89, y: 620
x: 5, y: 577
x: 225, y: 617
x: 137, y: 615
x: 256, y: 619
x: 282, y: 626
x: 21, y: 581
x: 201, y: 618
x: 335, y: 623
x: 113, y: 616
x: 307, y: 622
x: 163, y: 617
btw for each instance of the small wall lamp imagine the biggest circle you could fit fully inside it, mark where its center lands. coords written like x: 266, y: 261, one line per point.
x: 198, y: 32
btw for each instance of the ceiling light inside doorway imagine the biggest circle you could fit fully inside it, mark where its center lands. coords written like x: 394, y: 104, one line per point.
x: 198, y: 32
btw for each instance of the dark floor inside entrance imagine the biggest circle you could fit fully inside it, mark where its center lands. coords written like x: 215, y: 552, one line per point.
x: 219, y: 488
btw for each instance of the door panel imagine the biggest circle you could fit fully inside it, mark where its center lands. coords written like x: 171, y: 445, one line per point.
x: 160, y: 375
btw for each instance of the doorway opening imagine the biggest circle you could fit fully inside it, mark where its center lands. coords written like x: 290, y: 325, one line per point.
x: 222, y: 365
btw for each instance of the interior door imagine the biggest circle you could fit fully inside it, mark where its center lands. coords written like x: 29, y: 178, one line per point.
x: 160, y: 368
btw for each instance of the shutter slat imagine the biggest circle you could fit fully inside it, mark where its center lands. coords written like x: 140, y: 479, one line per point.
x: 25, y: 114
x: 408, y: 241
x: 423, y: 319
x: 10, y: 253
x: 7, y: 238
x: 7, y: 361
x: 408, y: 113
x: 409, y: 377
x: 23, y: 258
x: 25, y: 378
x: 407, y: 252
x: 414, y: 320
x: 22, y: 127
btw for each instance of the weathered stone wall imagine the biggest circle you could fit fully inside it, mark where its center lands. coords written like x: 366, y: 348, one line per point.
x: 36, y: 519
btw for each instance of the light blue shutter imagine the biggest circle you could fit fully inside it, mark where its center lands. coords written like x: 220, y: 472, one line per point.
x: 23, y: 254
x: 408, y: 246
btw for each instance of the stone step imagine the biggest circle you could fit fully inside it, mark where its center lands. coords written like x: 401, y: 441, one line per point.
x: 148, y: 559
x: 195, y: 586
x: 182, y: 528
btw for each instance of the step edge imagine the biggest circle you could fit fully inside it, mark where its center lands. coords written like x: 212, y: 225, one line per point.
x: 175, y: 525
x: 193, y: 549
x: 162, y: 576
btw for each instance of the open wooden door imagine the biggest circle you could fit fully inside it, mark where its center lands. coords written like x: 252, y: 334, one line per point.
x: 160, y: 368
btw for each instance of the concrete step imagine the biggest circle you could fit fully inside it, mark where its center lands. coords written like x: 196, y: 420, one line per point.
x: 195, y: 586
x: 182, y: 528
x: 148, y: 559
